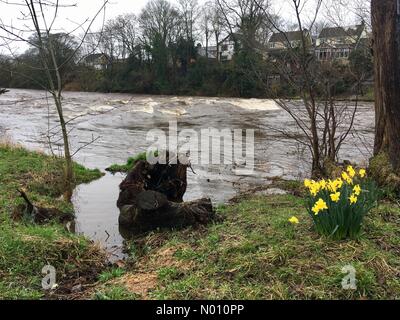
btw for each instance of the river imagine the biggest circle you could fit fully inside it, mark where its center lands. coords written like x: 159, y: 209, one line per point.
x: 121, y: 122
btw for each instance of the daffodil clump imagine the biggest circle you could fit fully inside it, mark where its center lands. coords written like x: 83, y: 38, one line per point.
x: 338, y: 206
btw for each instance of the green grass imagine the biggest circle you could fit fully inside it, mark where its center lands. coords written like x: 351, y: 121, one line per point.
x: 26, y: 248
x: 256, y: 254
x: 114, y: 293
x: 111, y: 274
x: 130, y: 163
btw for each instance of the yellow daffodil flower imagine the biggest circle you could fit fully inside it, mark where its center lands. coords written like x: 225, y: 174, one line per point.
x: 357, y: 190
x: 314, y: 191
x: 294, y: 220
x: 335, y: 197
x: 313, y: 186
x: 335, y: 185
x: 308, y: 183
x: 319, y: 206
x: 362, y: 173
x: 347, y: 178
x: 353, y: 199
x: 351, y: 171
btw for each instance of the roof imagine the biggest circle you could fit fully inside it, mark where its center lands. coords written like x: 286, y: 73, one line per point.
x: 336, y: 32
x: 286, y: 36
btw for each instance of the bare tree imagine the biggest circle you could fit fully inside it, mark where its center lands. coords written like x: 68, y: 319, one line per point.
x: 322, y: 124
x: 246, y: 18
x: 340, y: 12
x: 217, y: 23
x: 160, y: 28
x: 205, y: 24
x: 189, y: 10
x: 42, y: 16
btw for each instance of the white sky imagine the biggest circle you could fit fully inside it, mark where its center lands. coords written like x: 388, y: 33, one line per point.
x: 69, y: 18
x: 86, y: 9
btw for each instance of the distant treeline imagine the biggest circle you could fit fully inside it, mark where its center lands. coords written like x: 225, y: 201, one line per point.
x: 156, y: 53
x: 244, y: 76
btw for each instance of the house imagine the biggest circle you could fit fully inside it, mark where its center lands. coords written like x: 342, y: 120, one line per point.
x: 98, y: 61
x: 339, y: 42
x: 288, y: 40
x: 210, y: 52
x: 227, y: 48
x: 223, y: 52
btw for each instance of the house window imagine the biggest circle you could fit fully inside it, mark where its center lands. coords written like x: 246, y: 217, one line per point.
x: 224, y: 47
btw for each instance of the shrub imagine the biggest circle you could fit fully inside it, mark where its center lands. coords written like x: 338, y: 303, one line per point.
x: 338, y: 207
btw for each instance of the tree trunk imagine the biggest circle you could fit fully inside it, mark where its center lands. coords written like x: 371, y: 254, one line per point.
x: 151, y: 197
x: 385, y: 23
x: 217, y: 44
x: 69, y: 171
x: 153, y: 210
x: 207, y: 47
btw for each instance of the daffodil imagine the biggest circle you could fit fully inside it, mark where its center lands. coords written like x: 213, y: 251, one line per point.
x: 319, y: 206
x: 335, y: 197
x: 346, y: 177
x: 353, y: 199
x: 322, y: 185
x: 294, y: 220
x: 357, y: 190
x: 351, y: 171
x: 314, y: 191
x: 314, y: 188
x: 335, y: 185
x: 362, y: 173
x: 308, y: 183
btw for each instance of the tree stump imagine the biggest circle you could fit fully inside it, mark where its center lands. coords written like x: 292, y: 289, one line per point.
x: 151, y: 197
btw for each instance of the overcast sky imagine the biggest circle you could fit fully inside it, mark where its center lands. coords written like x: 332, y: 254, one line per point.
x: 86, y: 9
x: 70, y: 17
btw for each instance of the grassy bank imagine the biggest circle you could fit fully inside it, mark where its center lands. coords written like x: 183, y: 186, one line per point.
x: 26, y: 248
x: 253, y: 253
x: 256, y: 254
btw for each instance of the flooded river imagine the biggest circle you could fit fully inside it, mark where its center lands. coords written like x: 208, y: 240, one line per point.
x: 121, y: 122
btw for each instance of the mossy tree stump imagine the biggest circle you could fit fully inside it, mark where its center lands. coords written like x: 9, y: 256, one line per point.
x: 151, y: 197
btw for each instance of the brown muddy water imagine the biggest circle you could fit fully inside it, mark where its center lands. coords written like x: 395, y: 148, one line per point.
x: 121, y: 121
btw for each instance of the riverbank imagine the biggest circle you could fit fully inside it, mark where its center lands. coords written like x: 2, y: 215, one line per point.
x: 255, y: 253
x: 25, y: 248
